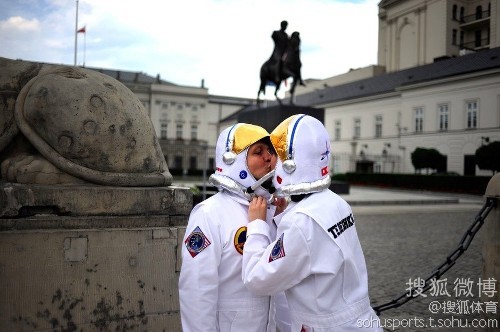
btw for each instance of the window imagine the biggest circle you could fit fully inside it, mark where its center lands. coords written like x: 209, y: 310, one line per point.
x: 178, y: 162
x: 472, y: 112
x: 378, y: 126
x: 337, y: 130
x: 462, y: 14
x: 163, y: 131
x: 194, y: 132
x: 178, y: 131
x: 418, y: 115
x: 479, y: 12
x: 454, y: 37
x: 357, y: 128
x: 443, y: 117
x: 454, y: 12
x: 193, y: 162
x: 477, y: 40
x: 462, y: 38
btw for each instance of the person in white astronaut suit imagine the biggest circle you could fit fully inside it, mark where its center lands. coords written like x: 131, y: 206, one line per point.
x: 211, y: 290
x: 316, y: 259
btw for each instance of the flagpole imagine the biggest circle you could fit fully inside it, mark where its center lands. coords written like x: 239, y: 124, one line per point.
x: 84, y: 46
x: 76, y: 30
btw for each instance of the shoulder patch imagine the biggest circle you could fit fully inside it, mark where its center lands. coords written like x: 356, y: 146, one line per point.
x: 196, y: 242
x: 239, y: 239
x: 278, y: 250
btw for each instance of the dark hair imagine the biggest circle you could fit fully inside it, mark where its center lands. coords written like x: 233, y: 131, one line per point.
x: 298, y: 198
x: 267, y: 141
x: 284, y: 24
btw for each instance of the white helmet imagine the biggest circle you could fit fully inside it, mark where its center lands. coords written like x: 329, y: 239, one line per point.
x: 231, y: 169
x: 303, y: 147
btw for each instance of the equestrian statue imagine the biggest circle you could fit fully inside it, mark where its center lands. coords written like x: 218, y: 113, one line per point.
x: 283, y: 63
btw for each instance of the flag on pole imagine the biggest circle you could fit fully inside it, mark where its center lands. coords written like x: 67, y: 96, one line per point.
x: 82, y: 30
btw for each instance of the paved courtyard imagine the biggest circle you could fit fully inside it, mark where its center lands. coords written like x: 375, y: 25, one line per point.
x: 406, y: 242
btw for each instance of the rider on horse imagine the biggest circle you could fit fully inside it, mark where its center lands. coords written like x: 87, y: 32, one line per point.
x: 283, y: 63
x: 280, y: 38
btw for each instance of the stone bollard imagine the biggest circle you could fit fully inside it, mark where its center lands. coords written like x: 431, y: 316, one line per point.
x: 491, y: 248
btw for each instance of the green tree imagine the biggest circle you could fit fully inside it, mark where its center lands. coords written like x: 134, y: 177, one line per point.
x: 488, y: 157
x: 418, y: 159
x: 422, y: 158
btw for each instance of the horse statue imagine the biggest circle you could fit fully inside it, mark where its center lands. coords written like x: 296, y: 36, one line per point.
x: 275, y: 71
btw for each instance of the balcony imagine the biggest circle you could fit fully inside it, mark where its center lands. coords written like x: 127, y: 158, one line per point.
x: 475, y: 20
x: 477, y: 45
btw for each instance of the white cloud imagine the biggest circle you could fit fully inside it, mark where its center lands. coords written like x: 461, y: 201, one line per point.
x: 222, y: 41
x: 18, y: 23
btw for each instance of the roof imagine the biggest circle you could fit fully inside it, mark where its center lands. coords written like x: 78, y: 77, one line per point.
x: 386, y: 3
x: 131, y: 77
x: 390, y: 82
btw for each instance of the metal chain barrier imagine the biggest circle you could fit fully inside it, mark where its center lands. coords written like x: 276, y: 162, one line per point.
x: 448, y: 263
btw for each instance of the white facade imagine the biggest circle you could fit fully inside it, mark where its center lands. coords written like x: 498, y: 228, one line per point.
x: 455, y: 115
x: 432, y: 115
x: 415, y: 32
x: 186, y: 119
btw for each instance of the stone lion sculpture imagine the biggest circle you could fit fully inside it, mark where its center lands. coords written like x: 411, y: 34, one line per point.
x: 70, y: 125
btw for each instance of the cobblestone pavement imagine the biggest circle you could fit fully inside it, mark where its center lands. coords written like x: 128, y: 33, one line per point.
x: 403, y: 243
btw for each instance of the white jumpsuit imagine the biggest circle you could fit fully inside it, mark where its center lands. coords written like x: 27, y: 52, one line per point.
x: 212, y: 294
x: 317, y: 260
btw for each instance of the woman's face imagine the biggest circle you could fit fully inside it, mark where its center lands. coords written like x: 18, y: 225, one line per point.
x: 260, y: 159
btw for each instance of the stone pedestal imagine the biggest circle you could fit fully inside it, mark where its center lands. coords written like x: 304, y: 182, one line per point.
x: 91, y: 258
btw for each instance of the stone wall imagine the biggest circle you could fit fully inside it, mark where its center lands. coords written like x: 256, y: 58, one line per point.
x: 90, y: 258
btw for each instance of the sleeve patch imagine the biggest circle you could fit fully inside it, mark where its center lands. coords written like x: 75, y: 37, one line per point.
x: 196, y: 242
x: 278, y: 250
x: 239, y: 239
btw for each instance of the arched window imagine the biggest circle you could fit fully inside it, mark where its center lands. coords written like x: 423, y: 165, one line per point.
x: 479, y: 12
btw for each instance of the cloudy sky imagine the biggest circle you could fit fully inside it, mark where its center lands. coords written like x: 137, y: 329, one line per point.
x: 223, y: 42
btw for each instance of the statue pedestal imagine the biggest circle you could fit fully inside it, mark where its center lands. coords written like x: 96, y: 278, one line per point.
x: 91, y: 257
x: 270, y: 117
